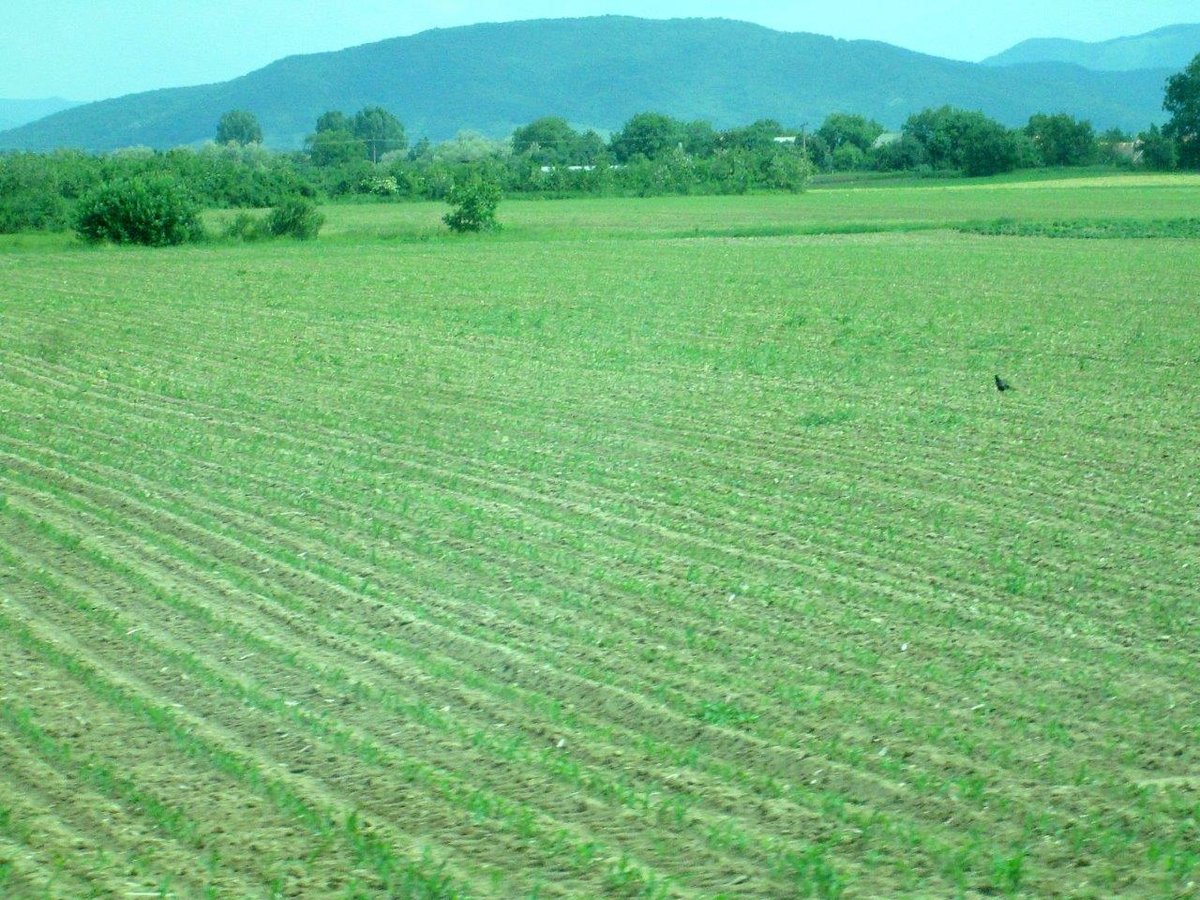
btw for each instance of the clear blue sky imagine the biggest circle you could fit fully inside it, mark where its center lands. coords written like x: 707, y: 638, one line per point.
x: 92, y: 49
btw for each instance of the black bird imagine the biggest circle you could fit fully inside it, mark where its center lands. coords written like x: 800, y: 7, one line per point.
x: 1002, y: 385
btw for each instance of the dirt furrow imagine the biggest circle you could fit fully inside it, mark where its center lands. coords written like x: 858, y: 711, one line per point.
x: 683, y: 437
x: 436, y: 749
x: 410, y: 740
x: 859, y: 673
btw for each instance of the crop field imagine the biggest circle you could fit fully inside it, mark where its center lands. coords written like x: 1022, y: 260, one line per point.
x: 647, y: 548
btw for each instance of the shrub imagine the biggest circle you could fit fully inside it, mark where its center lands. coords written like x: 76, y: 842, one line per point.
x: 906, y: 154
x: 380, y: 185
x: 295, y: 217
x: 988, y: 148
x: 31, y: 192
x: 847, y: 158
x: 32, y: 211
x: 474, y: 205
x: 155, y: 210
x: 1158, y: 151
x: 243, y: 227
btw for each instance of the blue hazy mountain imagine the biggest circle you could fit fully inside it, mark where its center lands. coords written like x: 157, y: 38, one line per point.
x: 597, y: 72
x: 1171, y: 48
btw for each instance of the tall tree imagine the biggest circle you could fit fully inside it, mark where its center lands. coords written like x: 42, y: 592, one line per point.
x: 647, y: 134
x: 1157, y: 150
x: 1182, y: 101
x: 334, y: 147
x: 334, y: 120
x: 988, y: 148
x: 840, y: 129
x: 548, y: 141
x: 379, y: 130
x: 960, y: 139
x: 590, y: 149
x: 239, y: 126
x: 1062, y: 140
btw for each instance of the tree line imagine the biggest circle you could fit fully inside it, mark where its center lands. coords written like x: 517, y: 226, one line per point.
x: 368, y: 155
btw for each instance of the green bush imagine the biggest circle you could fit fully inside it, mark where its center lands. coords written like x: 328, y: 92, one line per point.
x: 32, y: 189
x: 243, y: 227
x: 474, y: 205
x: 32, y: 211
x: 155, y: 210
x: 295, y: 217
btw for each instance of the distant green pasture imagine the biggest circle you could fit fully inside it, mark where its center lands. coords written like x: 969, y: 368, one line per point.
x: 925, y: 205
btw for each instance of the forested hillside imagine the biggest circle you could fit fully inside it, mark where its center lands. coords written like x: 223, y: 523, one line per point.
x: 596, y: 73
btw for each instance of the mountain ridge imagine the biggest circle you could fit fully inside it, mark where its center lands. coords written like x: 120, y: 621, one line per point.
x: 15, y: 112
x: 597, y: 72
x: 1172, y: 47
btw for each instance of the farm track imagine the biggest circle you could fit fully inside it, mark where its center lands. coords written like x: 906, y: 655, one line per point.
x: 562, y: 627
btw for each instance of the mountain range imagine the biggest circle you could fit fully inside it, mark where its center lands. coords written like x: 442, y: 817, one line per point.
x: 597, y: 73
x: 1173, y: 47
x: 17, y: 112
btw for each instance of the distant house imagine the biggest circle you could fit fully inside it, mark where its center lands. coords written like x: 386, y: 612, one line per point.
x: 1130, y: 150
x: 888, y: 137
x: 785, y: 139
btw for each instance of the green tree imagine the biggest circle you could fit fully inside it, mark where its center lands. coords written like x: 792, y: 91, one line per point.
x: 847, y: 157
x: 239, y: 126
x: 379, y: 130
x: 1115, y: 147
x: 758, y: 137
x: 700, y: 138
x: 1061, y: 140
x: 818, y: 151
x: 840, y: 129
x: 1182, y: 101
x: 988, y: 148
x: 938, y: 131
x: 422, y: 149
x: 547, y: 141
x: 334, y: 120
x: 1158, y: 151
x: 31, y: 193
x: 590, y: 149
x: 470, y: 147
x: 787, y: 169
x: 647, y: 134
x: 334, y: 148
x: 959, y: 139
x: 474, y: 202
x: 906, y: 154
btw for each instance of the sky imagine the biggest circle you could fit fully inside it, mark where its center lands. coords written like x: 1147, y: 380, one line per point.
x: 95, y: 49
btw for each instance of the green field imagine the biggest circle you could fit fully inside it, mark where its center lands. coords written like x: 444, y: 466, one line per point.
x: 672, y: 547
